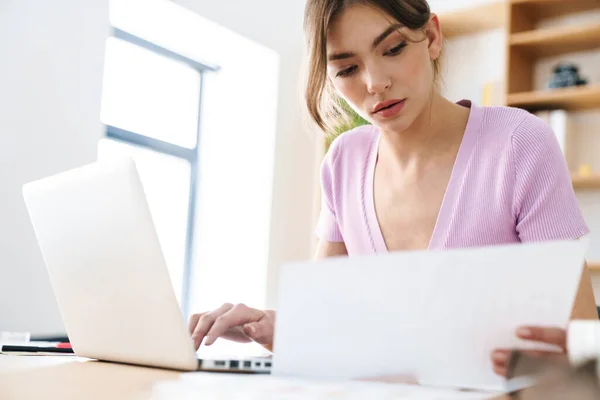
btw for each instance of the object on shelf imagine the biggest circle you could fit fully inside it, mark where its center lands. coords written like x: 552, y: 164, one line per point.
x: 559, y: 122
x: 488, y: 94
x: 491, y: 94
x: 566, y: 75
x: 585, y: 171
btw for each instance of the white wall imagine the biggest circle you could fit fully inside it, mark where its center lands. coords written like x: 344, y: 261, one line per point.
x: 50, y: 90
x: 277, y: 24
x: 463, y: 77
x: 51, y: 83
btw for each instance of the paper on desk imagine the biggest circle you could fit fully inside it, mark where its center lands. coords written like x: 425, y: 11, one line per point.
x: 435, y: 315
x: 235, y: 387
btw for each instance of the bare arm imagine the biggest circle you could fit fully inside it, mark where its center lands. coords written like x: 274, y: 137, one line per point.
x: 585, y: 304
x: 330, y: 249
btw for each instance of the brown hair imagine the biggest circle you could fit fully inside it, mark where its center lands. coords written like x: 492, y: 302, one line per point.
x: 324, y: 106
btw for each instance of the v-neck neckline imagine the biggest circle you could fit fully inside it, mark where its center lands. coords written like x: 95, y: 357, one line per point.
x: 460, y: 164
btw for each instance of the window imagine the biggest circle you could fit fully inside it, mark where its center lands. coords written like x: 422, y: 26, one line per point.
x: 151, y: 108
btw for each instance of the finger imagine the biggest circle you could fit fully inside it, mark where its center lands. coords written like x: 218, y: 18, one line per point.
x: 500, y: 367
x: 206, y: 322
x: 501, y: 357
x: 501, y: 371
x: 555, y: 336
x: 194, y: 321
x: 237, y: 316
x: 261, y: 332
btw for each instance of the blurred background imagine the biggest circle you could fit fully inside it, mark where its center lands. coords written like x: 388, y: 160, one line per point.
x: 206, y: 96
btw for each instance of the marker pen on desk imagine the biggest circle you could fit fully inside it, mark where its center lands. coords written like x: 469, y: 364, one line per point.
x: 34, y: 349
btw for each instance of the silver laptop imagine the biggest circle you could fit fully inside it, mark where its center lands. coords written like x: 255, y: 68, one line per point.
x: 108, y: 272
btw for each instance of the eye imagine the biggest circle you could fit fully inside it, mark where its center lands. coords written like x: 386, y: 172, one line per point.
x: 346, y: 72
x: 395, y: 50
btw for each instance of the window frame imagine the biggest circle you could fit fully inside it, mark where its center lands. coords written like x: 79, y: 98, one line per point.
x: 159, y: 146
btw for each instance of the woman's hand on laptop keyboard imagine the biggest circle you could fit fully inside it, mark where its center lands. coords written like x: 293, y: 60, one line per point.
x: 238, y: 323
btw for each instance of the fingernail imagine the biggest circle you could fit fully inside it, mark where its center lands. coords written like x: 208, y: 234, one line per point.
x: 499, y: 357
x: 524, y: 332
x: 251, y: 329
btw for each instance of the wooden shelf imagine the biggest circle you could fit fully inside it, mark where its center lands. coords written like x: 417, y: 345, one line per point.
x: 549, y: 42
x: 575, y: 98
x: 474, y: 19
x: 542, y: 9
x: 594, y: 266
x: 494, y: 15
x: 581, y: 183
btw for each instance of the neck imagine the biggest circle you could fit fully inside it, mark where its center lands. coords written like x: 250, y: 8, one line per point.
x: 438, y: 130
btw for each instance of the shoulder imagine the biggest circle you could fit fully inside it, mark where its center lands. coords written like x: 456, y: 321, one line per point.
x: 520, y: 130
x: 514, y: 122
x: 351, y: 148
x: 505, y: 121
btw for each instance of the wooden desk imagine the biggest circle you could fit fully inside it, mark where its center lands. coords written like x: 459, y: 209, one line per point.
x: 65, y: 377
x: 70, y: 378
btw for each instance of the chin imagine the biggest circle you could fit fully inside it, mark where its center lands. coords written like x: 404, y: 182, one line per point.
x: 398, y: 124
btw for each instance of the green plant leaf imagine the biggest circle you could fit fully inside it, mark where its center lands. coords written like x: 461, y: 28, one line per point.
x: 354, y: 120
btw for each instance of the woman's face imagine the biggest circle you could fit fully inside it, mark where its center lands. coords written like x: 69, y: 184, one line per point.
x: 384, y: 77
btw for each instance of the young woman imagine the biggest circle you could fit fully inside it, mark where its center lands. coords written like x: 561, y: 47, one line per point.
x: 428, y: 173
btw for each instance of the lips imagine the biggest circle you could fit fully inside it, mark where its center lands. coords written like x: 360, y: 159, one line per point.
x: 385, y: 105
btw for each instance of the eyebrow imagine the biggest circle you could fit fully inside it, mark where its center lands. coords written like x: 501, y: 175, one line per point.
x: 391, y: 29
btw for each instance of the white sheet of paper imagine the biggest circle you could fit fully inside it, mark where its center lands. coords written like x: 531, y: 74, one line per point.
x: 432, y: 315
x: 234, y: 386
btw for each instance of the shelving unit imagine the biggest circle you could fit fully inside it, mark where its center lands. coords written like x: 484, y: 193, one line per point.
x: 576, y: 98
x: 540, y: 43
x: 527, y: 44
x: 586, y: 183
x: 594, y: 266
x: 536, y: 10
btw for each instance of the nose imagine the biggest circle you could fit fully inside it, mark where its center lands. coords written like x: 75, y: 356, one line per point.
x: 377, y: 81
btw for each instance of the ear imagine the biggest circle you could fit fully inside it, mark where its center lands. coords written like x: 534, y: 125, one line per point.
x: 434, y: 36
